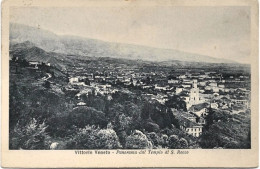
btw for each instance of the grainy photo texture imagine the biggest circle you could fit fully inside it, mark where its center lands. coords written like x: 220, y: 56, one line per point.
x: 133, y: 77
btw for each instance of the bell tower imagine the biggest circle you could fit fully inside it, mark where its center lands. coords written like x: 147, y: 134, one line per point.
x: 195, y: 83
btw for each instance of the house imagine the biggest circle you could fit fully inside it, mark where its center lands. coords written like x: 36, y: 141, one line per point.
x: 74, y: 80
x: 186, y: 85
x: 241, y: 102
x: 213, y: 84
x: 99, y: 78
x: 184, y: 95
x: 182, y: 76
x: 33, y: 64
x: 225, y: 106
x: 156, y: 87
x: 208, y: 88
x: 109, y: 97
x: 221, y: 85
x: 81, y: 104
x: 89, y: 76
x: 215, y: 89
x: 201, y: 120
x: 189, y: 116
x: 188, y: 123
x: 225, y: 100
x: 179, y: 89
x: 173, y: 81
x: 203, y: 76
x: 190, y: 127
x: 201, y: 110
x: 214, y: 105
x: 146, y: 87
x: 203, y: 83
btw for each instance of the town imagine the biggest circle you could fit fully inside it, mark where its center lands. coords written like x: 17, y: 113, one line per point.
x: 200, y: 89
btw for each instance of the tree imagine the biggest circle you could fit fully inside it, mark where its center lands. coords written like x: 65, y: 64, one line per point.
x: 147, y: 108
x: 114, y: 111
x: 232, y: 145
x: 16, y: 107
x: 161, y: 115
x: 137, y: 140
x: 248, y: 139
x: 173, y: 142
x: 92, y: 137
x: 85, y: 138
x: 82, y: 116
x: 176, y: 102
x: 87, y: 82
x: 164, y: 140
x: 108, y: 139
x: 183, y: 143
x: 13, y: 58
x: 148, y: 80
x: 175, y: 121
x: 31, y: 137
x: 98, y: 103
x: 213, y: 137
x: 122, y: 126
x: 150, y: 126
x: 154, y: 138
x: 209, y: 118
x: 132, y: 110
x: 24, y: 63
x: 122, y: 122
x: 47, y: 84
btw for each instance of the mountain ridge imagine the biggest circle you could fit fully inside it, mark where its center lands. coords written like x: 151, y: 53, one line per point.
x: 73, y: 45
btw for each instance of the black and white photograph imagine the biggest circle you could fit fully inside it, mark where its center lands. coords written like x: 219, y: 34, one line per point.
x: 131, y: 77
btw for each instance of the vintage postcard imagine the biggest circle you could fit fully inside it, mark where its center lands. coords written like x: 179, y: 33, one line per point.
x: 129, y: 83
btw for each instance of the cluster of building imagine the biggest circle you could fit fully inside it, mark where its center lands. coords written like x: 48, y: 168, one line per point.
x: 200, y: 90
x: 205, y: 94
x: 33, y: 65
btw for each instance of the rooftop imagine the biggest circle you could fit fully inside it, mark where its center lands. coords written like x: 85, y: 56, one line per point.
x: 187, y: 123
x: 198, y: 107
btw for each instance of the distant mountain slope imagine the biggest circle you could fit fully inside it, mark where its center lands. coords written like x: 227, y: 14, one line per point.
x: 71, y: 45
x: 30, y: 52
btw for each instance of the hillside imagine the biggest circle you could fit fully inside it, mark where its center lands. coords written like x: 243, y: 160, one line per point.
x: 72, y: 45
x: 30, y: 52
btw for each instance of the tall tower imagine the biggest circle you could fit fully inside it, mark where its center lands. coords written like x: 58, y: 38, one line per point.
x: 195, y: 83
x: 194, y: 94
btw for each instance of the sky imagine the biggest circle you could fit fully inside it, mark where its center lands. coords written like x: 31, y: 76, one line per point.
x: 222, y: 32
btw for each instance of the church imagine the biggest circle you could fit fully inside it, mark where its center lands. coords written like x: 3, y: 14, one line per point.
x: 193, y: 96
